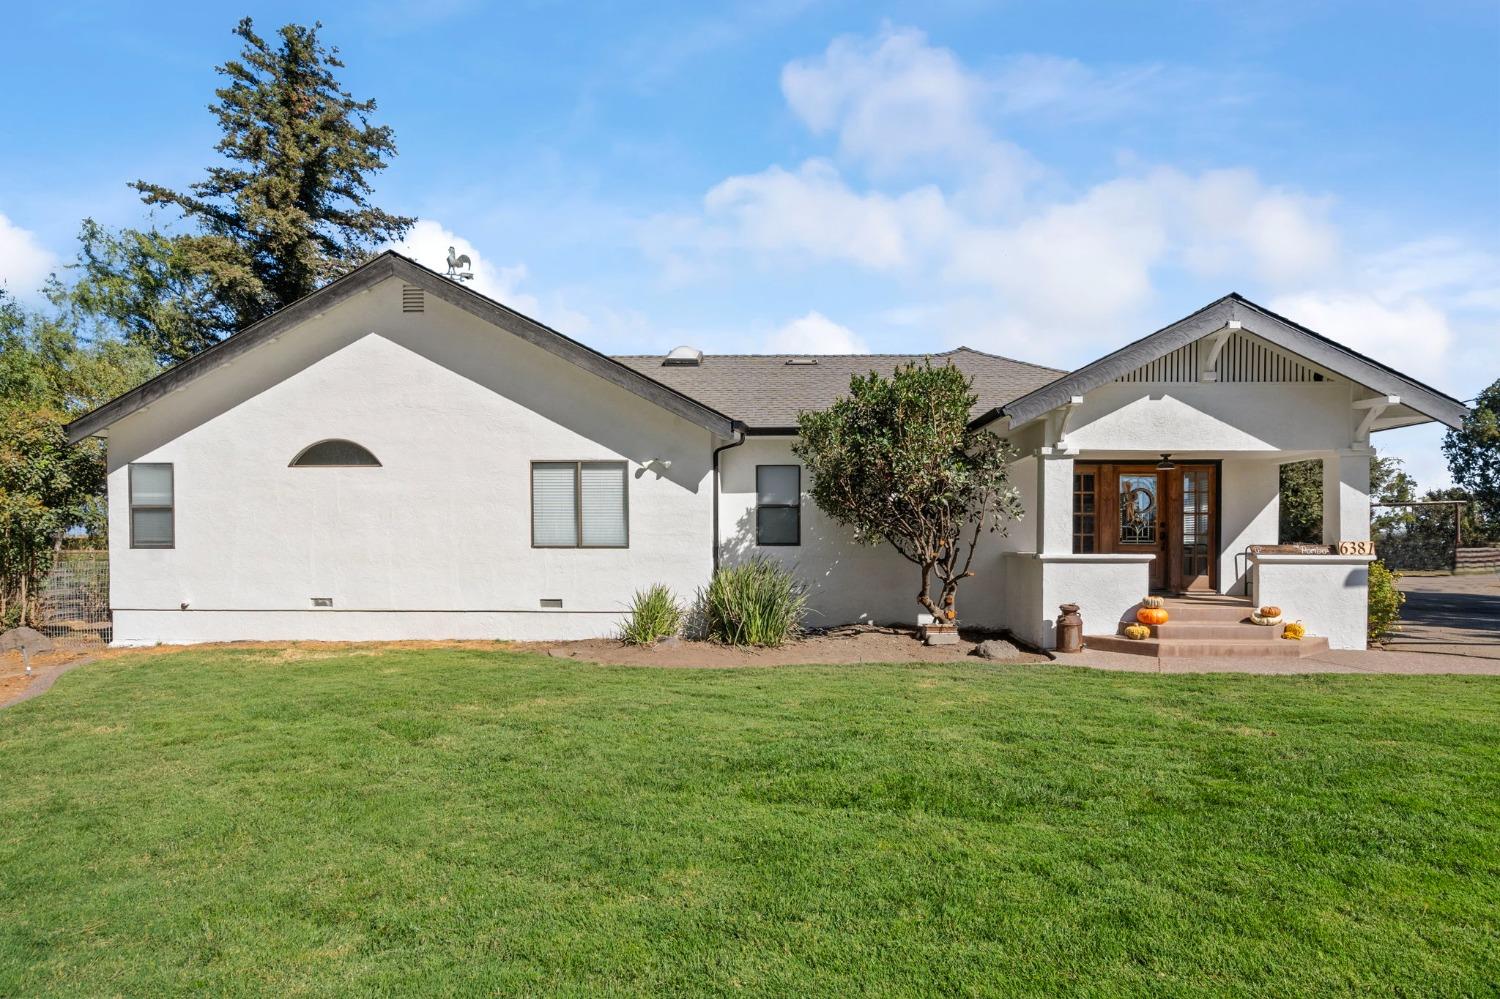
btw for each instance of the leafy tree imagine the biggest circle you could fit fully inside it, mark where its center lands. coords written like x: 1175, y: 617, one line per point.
x: 1301, y: 502
x: 1473, y: 453
x: 148, y: 287
x: 287, y: 211
x: 1301, y: 505
x: 48, y: 488
x: 896, y: 461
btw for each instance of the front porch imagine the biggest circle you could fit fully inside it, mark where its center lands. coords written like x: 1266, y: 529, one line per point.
x: 1200, y: 526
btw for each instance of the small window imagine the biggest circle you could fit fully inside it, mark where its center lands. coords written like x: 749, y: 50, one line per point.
x: 334, y: 454
x: 1085, y: 512
x: 151, y: 515
x: 579, y: 504
x: 778, y: 504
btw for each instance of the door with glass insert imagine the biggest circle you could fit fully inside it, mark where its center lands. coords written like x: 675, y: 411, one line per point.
x: 1139, y: 523
x: 1193, y: 538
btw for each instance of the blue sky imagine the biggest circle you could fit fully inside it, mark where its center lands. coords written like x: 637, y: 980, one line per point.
x: 1043, y: 180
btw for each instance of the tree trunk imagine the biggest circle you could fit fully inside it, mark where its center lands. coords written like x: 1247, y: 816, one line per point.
x: 924, y: 597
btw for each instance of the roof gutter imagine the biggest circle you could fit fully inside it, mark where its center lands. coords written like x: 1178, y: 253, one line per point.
x: 739, y: 431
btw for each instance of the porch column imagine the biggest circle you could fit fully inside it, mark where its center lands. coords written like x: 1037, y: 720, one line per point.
x: 1054, y: 502
x: 1346, y: 495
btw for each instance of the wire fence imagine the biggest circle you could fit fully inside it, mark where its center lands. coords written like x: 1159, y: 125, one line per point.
x: 74, y: 600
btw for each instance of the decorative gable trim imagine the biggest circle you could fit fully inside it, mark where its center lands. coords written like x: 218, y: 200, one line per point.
x: 1234, y: 357
x: 1241, y: 317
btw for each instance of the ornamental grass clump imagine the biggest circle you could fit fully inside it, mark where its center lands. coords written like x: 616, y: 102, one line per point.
x: 654, y: 614
x: 757, y: 602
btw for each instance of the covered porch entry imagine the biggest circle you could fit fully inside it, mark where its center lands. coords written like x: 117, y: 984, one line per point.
x: 1165, y: 509
x: 1157, y: 468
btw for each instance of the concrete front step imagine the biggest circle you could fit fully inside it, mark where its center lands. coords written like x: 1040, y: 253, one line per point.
x: 1185, y: 612
x: 1197, y: 631
x: 1223, y: 648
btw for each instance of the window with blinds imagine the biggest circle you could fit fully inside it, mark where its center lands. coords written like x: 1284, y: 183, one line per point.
x: 152, y: 517
x: 579, y: 504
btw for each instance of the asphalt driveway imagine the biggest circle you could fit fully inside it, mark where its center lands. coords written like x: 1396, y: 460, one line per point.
x: 1450, y: 615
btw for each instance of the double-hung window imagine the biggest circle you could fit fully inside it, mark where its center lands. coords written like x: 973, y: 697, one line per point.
x: 151, y: 515
x: 579, y: 504
x: 778, y: 504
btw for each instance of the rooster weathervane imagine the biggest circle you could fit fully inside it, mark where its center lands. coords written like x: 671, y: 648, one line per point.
x: 458, y: 266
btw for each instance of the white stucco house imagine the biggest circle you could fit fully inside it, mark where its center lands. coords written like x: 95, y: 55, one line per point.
x: 397, y: 456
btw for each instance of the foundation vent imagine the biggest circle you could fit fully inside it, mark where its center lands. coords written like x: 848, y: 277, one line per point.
x: 552, y: 603
x: 413, y: 299
x: 322, y: 601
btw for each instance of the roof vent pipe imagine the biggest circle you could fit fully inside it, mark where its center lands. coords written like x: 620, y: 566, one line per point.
x: 683, y: 357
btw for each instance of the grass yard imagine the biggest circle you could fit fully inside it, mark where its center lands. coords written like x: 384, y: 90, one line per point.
x: 459, y: 821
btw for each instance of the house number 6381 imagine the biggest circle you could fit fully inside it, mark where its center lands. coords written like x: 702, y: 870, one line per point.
x: 1356, y: 548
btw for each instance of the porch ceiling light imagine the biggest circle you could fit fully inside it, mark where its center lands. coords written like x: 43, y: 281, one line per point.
x: 1165, y: 465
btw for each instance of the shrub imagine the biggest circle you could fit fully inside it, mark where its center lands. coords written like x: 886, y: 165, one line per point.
x: 1385, y: 601
x: 654, y: 614
x: 757, y: 602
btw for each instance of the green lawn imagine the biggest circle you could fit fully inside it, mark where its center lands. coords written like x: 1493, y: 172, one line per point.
x: 462, y: 822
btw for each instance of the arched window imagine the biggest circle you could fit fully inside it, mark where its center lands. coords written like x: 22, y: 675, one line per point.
x: 334, y: 453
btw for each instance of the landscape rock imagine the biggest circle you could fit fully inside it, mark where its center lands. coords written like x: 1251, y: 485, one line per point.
x: 997, y: 648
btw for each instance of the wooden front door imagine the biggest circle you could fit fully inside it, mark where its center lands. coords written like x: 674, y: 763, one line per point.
x: 1169, y: 513
x: 1139, y: 524
x: 1191, y: 546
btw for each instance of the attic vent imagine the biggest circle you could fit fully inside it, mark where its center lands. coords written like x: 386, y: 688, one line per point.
x: 802, y: 360
x: 683, y: 357
x: 412, y: 299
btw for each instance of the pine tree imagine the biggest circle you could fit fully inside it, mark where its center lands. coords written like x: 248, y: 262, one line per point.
x: 287, y: 211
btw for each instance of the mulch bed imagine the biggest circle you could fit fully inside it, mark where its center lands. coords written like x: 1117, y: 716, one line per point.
x: 835, y: 646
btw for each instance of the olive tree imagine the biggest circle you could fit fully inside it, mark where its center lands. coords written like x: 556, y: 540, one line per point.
x: 897, y: 461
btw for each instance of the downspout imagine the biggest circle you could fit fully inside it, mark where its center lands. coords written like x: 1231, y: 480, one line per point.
x: 739, y: 438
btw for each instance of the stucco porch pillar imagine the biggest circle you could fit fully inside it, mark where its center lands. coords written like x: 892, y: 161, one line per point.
x: 1346, y: 495
x: 1054, y: 502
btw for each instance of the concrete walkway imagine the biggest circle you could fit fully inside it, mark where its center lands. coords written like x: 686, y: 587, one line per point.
x: 1450, y: 624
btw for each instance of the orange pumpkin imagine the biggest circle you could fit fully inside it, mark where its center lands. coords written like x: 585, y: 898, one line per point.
x: 1270, y: 610
x: 1151, y: 615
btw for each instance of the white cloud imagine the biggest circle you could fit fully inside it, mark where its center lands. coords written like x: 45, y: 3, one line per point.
x: 895, y: 102
x: 1084, y: 262
x: 24, y: 261
x: 1411, y: 334
x: 813, y: 211
x: 815, y: 333
x: 1096, y: 259
x: 928, y: 191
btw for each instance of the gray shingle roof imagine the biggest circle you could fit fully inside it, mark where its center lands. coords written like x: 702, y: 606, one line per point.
x: 767, y: 392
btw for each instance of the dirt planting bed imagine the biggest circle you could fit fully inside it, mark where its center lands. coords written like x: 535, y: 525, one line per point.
x: 862, y: 644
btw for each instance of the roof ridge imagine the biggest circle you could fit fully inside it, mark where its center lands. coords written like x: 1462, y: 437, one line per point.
x: 872, y: 354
